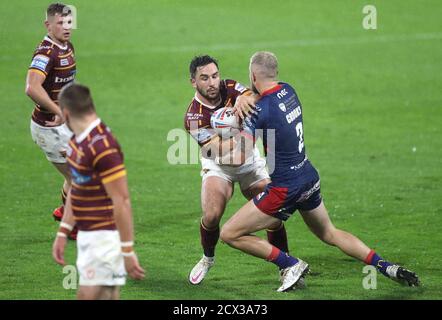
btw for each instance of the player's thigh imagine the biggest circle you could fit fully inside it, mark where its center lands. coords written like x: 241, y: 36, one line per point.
x: 255, y: 181
x: 98, y: 293
x: 115, y: 295
x: 318, y: 220
x: 255, y: 188
x: 89, y: 293
x: 215, y: 193
x: 247, y: 220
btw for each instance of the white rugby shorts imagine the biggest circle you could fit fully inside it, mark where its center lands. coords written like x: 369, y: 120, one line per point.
x: 99, y: 258
x: 246, y: 176
x: 52, y: 140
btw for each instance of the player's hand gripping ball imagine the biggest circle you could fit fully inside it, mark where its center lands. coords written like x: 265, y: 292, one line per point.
x: 224, y: 122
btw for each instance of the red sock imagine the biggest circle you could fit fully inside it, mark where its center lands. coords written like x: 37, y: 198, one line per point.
x: 273, y: 254
x: 369, y: 257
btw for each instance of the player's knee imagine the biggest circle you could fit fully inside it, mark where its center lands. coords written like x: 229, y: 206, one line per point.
x: 227, y: 235
x: 212, y: 218
x: 278, y: 225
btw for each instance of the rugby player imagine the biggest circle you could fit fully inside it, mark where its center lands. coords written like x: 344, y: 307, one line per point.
x: 295, y: 185
x: 98, y: 202
x: 52, y: 67
x: 219, y: 172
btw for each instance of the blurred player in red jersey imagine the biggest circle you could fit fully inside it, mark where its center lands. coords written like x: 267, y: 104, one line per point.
x: 52, y: 67
x: 98, y: 202
x: 218, y: 172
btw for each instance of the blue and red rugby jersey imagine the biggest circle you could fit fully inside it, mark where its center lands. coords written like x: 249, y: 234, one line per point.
x: 295, y: 182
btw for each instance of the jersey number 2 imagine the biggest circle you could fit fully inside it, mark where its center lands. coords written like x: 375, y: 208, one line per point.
x: 299, y: 134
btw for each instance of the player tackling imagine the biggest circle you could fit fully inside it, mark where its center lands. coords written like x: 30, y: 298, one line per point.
x: 52, y: 67
x: 219, y: 171
x: 98, y: 202
x: 295, y: 185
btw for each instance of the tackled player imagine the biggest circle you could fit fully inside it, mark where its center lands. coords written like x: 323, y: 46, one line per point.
x: 218, y: 172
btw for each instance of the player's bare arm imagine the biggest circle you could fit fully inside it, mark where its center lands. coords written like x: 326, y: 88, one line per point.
x: 119, y: 193
x: 66, y: 226
x: 245, y: 104
x: 221, y: 150
x: 34, y: 89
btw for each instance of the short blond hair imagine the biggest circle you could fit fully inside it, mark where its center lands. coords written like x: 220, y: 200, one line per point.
x: 266, y: 63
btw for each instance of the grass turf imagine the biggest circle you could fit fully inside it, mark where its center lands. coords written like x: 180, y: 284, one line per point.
x: 372, y: 119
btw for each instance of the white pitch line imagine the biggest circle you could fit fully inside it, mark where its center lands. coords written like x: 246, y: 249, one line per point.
x: 302, y: 42
x: 198, y: 48
x: 280, y: 44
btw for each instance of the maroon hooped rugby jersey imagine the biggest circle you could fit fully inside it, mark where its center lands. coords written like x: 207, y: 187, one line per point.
x: 197, y: 117
x: 94, y: 158
x: 57, y: 64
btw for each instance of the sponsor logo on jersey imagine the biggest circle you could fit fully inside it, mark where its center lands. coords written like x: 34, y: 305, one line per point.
x: 79, y: 178
x: 194, y: 116
x: 239, y: 87
x: 64, y: 62
x: 40, y: 62
x: 43, y: 48
x: 259, y: 196
x: 64, y: 80
x: 95, y: 139
x: 282, y: 107
x: 304, y: 196
x: 282, y: 93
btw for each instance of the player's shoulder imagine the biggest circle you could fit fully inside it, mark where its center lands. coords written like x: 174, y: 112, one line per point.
x: 276, y: 94
x: 193, y: 106
x: 101, y: 140
x: 231, y: 84
x: 46, y: 48
x: 228, y: 82
x: 263, y: 102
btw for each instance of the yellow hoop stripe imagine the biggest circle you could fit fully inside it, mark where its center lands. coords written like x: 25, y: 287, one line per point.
x: 103, y: 154
x: 114, y: 177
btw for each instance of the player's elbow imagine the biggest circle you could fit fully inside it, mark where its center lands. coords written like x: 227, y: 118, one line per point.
x: 121, y: 202
x: 29, y: 90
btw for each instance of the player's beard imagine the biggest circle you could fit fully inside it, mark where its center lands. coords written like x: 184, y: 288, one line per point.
x: 215, y: 97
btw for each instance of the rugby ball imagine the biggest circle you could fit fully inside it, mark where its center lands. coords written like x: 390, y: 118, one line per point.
x: 224, y: 122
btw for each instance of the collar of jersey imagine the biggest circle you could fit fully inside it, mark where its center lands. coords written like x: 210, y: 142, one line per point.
x: 271, y: 90
x: 88, y: 130
x: 52, y: 41
x: 204, y: 104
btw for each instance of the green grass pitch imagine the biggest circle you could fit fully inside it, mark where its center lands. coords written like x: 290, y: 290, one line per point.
x: 372, y: 116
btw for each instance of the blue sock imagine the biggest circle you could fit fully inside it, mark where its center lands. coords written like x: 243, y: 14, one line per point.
x: 380, y: 264
x: 284, y: 260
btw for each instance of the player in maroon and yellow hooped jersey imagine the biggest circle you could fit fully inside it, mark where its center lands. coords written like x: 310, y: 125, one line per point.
x: 98, y: 202
x: 218, y: 173
x: 52, y: 67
